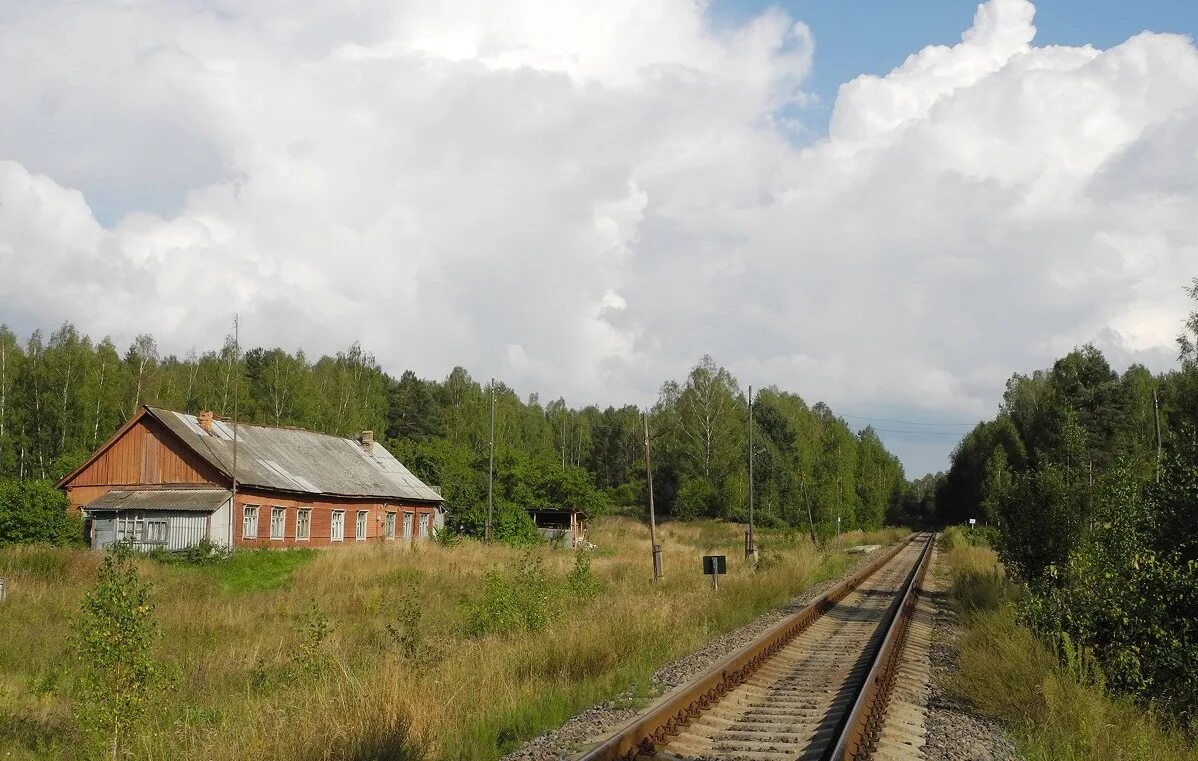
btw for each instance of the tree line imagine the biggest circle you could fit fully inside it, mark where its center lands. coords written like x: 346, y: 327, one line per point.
x: 1090, y: 478
x: 61, y: 396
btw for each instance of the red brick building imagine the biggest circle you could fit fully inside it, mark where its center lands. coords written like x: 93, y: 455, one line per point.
x: 165, y: 480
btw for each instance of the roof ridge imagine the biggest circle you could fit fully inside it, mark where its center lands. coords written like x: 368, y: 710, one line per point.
x: 267, y: 426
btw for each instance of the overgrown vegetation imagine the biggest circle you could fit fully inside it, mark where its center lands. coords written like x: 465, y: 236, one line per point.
x: 1095, y: 510
x: 376, y: 652
x: 1051, y: 695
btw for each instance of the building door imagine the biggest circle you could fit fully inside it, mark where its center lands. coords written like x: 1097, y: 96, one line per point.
x: 103, y: 531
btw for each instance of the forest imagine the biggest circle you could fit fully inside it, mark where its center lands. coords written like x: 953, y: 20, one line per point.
x: 1088, y: 480
x: 61, y: 396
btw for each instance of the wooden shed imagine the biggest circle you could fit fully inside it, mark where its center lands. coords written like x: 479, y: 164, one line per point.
x: 560, y: 524
x: 165, y: 479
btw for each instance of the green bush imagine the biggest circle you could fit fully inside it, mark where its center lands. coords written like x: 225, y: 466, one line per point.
x: 581, y: 580
x: 36, y: 512
x: 112, y: 639
x: 523, y: 599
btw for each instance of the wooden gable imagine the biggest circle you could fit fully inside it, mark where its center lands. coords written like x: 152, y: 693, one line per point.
x: 143, y: 453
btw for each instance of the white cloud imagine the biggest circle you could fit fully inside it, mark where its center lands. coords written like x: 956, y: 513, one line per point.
x: 582, y: 198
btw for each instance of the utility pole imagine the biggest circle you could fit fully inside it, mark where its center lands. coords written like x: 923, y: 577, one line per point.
x: 750, y: 539
x: 1156, y: 415
x: 652, y: 514
x: 491, y: 471
x: 236, y: 390
x: 838, y: 492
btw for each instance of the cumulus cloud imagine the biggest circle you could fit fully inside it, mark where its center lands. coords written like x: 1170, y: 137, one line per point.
x: 583, y: 199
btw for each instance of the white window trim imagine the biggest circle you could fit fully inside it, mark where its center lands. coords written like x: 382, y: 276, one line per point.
x: 283, y: 528
x: 361, y: 525
x: 298, y: 512
x: 389, y: 525
x: 333, y: 522
x: 409, y: 524
x: 424, y: 525
x: 245, y: 513
x: 166, y: 530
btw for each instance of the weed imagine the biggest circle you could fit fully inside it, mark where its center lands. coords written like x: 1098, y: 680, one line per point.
x: 581, y: 581
x: 405, y: 632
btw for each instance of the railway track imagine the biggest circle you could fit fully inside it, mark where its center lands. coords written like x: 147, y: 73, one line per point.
x: 814, y: 686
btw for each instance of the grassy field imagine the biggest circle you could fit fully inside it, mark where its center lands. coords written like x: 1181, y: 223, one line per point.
x: 1053, y: 711
x: 455, y: 652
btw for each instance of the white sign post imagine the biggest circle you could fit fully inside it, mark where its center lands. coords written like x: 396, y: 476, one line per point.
x: 973, y: 522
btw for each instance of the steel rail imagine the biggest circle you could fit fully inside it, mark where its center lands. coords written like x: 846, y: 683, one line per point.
x: 858, y: 730
x: 677, y: 708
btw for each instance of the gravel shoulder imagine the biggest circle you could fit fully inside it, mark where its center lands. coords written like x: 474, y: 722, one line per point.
x: 953, y: 733
x: 573, y: 736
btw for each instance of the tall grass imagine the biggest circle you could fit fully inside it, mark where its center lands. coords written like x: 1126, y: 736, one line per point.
x: 1055, y: 709
x: 375, y: 652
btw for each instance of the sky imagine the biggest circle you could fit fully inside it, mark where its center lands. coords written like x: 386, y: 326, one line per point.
x: 889, y: 207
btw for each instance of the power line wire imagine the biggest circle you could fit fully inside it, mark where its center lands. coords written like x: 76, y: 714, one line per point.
x: 907, y: 422
x: 955, y: 434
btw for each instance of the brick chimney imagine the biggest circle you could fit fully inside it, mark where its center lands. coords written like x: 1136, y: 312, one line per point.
x: 204, y: 418
x: 367, y: 439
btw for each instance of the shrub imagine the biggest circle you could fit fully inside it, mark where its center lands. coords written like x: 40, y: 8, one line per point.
x: 525, y: 599
x: 112, y: 640
x: 33, y: 512
x: 581, y: 580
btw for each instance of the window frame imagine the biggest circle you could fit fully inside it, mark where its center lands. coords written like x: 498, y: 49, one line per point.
x: 337, y: 526
x: 246, y: 511
x: 131, y: 522
x: 389, y: 525
x: 303, y: 517
x: 280, y: 513
x: 151, y: 524
x: 409, y: 524
x: 425, y: 525
x: 361, y: 525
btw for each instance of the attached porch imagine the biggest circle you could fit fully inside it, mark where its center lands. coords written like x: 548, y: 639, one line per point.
x: 167, y: 519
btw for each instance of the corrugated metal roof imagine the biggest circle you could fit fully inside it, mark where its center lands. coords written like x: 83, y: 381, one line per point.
x: 198, y: 500
x: 296, y: 460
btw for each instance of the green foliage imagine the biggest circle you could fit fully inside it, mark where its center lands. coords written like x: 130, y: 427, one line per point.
x: 581, y: 580
x: 696, y: 499
x: 310, y: 658
x: 113, y: 640
x: 1099, y: 528
x: 36, y: 512
x: 1129, y: 591
x: 1042, y: 517
x: 523, y: 599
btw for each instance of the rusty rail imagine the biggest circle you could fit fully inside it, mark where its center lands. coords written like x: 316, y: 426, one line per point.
x: 857, y: 732
x: 678, y: 708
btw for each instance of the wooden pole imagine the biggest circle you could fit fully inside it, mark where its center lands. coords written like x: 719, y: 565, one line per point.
x: 750, y: 540
x: 491, y: 471
x: 236, y: 384
x: 1156, y: 415
x: 657, y: 571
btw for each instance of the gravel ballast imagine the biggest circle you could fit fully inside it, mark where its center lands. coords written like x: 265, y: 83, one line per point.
x: 577, y: 733
x: 953, y: 733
